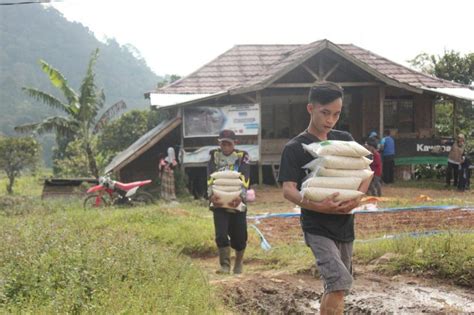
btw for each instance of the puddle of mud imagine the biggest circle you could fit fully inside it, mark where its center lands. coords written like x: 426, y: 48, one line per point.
x: 403, y: 298
x: 301, y: 295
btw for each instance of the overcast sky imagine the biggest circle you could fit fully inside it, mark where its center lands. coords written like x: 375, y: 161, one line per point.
x: 179, y: 36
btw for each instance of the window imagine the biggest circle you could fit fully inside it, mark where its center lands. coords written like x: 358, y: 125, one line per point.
x: 276, y: 121
x: 398, y: 113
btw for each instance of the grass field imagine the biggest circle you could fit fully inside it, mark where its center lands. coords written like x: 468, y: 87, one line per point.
x: 56, y: 257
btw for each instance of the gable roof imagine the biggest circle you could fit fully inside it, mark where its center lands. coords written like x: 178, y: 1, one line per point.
x: 246, y: 68
x: 144, y: 143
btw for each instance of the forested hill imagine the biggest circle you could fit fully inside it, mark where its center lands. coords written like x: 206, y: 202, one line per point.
x: 31, y: 32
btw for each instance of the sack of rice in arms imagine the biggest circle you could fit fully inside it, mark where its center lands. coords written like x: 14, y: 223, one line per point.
x: 319, y: 194
x: 339, y: 166
x: 228, y: 182
x: 330, y: 172
x: 351, y: 183
x: 226, y: 197
x: 225, y: 174
x: 339, y: 162
x: 227, y: 186
x: 336, y: 147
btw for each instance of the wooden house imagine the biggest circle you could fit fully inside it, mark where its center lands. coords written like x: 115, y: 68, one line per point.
x: 260, y: 91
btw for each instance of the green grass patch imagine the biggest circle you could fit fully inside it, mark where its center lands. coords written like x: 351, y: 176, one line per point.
x: 445, y: 256
x: 80, y: 261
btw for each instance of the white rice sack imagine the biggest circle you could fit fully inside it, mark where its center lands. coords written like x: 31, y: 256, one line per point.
x: 227, y: 188
x: 227, y: 182
x: 336, y: 147
x: 329, y: 172
x: 339, y: 162
x: 351, y: 183
x: 225, y: 174
x: 319, y: 194
x: 225, y: 197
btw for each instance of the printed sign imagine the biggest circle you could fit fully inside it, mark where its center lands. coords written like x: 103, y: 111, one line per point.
x: 422, y: 147
x: 207, y: 121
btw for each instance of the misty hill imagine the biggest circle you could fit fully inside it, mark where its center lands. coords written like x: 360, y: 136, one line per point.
x: 32, y: 32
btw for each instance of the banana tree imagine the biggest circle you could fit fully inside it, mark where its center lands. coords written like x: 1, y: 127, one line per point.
x: 81, y: 110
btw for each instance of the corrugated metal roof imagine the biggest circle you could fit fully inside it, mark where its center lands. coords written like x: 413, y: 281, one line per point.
x: 143, y: 143
x: 245, y: 66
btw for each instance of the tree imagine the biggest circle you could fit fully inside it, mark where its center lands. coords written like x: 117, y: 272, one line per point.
x: 168, y: 79
x: 122, y: 132
x: 81, y: 111
x: 451, y: 66
x: 16, y: 155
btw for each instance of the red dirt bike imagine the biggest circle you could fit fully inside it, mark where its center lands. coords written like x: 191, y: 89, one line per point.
x: 110, y: 192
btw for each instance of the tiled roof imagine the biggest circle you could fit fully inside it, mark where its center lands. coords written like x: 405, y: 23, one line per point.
x: 396, y: 71
x: 251, y: 65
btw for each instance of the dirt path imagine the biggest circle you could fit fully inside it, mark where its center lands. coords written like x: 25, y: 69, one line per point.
x: 278, y: 292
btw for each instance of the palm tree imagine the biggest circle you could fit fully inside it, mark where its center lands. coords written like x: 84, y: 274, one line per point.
x: 81, y: 111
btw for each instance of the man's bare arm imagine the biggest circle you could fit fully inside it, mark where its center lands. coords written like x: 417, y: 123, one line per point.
x: 328, y: 205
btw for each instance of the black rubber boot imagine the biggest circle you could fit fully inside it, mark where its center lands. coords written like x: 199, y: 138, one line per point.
x: 224, y: 260
x: 239, y: 259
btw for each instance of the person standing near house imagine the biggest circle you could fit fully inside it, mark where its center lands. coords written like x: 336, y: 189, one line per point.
x: 166, y: 173
x: 230, y: 224
x: 373, y: 135
x: 455, y: 158
x: 387, y: 147
x: 375, y: 188
x: 328, y: 225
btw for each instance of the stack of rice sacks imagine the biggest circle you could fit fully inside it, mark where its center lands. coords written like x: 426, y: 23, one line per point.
x: 227, y: 185
x: 339, y: 166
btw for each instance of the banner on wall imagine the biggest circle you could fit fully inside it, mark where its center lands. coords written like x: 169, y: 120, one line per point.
x: 207, y: 121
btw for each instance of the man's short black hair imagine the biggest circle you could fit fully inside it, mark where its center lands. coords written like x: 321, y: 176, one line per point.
x: 324, y: 93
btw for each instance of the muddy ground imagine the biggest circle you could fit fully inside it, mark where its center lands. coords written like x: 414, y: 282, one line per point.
x: 282, y: 292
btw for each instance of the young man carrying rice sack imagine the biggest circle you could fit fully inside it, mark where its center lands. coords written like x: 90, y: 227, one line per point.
x: 328, y: 225
x: 228, y: 173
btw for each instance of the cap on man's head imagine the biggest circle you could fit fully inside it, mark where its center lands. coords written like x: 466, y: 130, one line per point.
x: 227, y: 135
x: 372, y: 142
x: 461, y: 136
x: 373, y: 134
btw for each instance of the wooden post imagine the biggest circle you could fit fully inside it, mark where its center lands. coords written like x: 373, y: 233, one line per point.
x: 455, y: 121
x: 260, y: 166
x: 433, y: 116
x: 381, y: 101
x: 181, y: 145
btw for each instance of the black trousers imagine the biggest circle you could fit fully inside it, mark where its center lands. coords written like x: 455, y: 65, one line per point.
x: 231, y: 229
x: 388, y: 167
x: 452, y: 171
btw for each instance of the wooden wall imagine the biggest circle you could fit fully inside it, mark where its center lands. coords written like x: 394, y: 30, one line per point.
x: 424, y: 115
x: 371, y: 119
x: 145, y: 166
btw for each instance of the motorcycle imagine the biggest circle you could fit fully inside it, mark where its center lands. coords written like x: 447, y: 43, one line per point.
x: 110, y: 192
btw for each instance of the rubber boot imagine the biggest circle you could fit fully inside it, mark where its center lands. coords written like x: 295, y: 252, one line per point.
x: 239, y: 259
x: 224, y: 260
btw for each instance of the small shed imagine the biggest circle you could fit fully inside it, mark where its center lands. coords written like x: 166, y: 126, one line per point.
x: 65, y: 188
x: 260, y: 91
